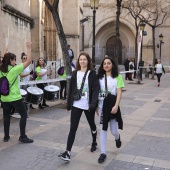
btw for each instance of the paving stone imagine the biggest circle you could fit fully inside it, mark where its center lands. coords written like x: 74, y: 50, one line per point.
x: 145, y: 138
x: 148, y: 147
x: 156, y: 126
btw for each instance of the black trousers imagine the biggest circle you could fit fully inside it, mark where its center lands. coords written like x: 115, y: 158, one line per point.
x: 63, y: 86
x: 41, y: 86
x: 159, y: 77
x: 75, y: 119
x: 20, y: 107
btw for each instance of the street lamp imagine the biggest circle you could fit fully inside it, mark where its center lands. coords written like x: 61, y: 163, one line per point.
x: 142, y: 27
x: 141, y: 63
x: 161, y: 42
x: 94, y: 4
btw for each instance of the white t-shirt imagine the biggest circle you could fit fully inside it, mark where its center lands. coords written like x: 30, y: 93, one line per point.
x: 70, y: 53
x: 112, y: 85
x: 83, y: 103
x: 131, y: 63
x: 26, y: 78
x: 44, y: 77
x: 158, y: 68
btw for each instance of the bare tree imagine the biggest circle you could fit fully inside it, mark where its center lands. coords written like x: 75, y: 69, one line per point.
x: 134, y: 11
x: 53, y: 8
x: 155, y: 12
x: 152, y: 12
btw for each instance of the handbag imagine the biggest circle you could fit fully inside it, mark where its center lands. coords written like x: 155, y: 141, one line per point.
x: 78, y: 92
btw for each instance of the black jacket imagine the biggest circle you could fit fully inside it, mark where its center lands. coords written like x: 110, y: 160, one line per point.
x: 108, y: 103
x: 94, y: 87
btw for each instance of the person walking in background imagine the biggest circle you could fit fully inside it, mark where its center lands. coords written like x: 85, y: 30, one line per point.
x: 63, y: 84
x: 71, y: 53
x: 14, y: 98
x: 111, y: 84
x: 126, y: 64
x: 25, y: 76
x: 41, y: 73
x: 159, y: 68
x: 131, y: 68
x: 84, y: 79
x: 134, y: 74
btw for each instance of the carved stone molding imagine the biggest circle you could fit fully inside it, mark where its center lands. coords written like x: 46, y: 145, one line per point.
x: 12, y: 11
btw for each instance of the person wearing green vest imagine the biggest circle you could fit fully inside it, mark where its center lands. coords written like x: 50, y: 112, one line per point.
x: 14, y: 99
x: 63, y: 85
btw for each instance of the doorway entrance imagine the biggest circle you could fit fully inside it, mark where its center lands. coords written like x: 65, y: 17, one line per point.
x: 111, y: 48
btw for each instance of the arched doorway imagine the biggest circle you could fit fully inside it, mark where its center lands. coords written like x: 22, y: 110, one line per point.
x: 111, y: 48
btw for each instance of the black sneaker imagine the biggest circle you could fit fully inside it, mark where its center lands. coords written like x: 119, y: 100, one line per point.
x: 31, y: 107
x: 45, y: 105
x: 102, y: 158
x: 40, y: 106
x: 65, y: 156
x: 6, y: 139
x: 93, y: 147
x: 118, y: 142
x: 26, y: 140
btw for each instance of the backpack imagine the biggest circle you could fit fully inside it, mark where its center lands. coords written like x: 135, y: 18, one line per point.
x: 4, y: 85
x: 131, y: 67
x: 34, y: 75
x: 60, y: 71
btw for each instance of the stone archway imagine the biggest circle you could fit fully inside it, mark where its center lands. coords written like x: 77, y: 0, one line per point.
x: 111, y: 48
x: 105, y: 42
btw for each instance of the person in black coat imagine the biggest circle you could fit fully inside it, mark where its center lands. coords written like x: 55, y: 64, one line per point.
x: 126, y: 64
x: 87, y: 103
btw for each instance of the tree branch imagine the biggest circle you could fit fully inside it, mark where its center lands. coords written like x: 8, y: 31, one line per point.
x: 48, y: 5
x: 55, y: 4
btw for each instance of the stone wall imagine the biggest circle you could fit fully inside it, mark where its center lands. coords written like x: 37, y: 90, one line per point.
x: 15, y: 29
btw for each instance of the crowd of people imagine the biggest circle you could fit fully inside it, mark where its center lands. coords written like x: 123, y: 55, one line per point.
x: 89, y: 93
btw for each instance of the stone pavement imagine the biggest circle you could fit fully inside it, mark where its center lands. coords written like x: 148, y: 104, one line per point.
x: 146, y: 135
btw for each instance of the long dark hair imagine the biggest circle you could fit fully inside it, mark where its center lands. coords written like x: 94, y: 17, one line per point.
x: 38, y: 64
x: 22, y: 55
x: 114, y: 71
x: 89, y: 65
x: 6, y: 61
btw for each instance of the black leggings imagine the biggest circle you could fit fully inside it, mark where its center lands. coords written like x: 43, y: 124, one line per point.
x: 159, y: 77
x: 41, y: 86
x: 75, y: 118
x: 20, y: 107
x: 63, y: 86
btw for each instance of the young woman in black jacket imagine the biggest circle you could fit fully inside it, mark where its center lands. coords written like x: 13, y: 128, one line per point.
x: 87, y: 103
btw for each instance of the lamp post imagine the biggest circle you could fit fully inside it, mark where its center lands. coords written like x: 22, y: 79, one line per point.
x: 142, y: 27
x: 94, y: 4
x: 141, y: 64
x: 161, y: 42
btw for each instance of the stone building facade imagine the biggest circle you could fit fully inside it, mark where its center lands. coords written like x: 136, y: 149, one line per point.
x: 23, y: 20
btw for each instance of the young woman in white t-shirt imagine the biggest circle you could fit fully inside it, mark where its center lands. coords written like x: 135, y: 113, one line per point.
x: 111, y: 83
x: 87, y: 103
x: 159, y: 69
